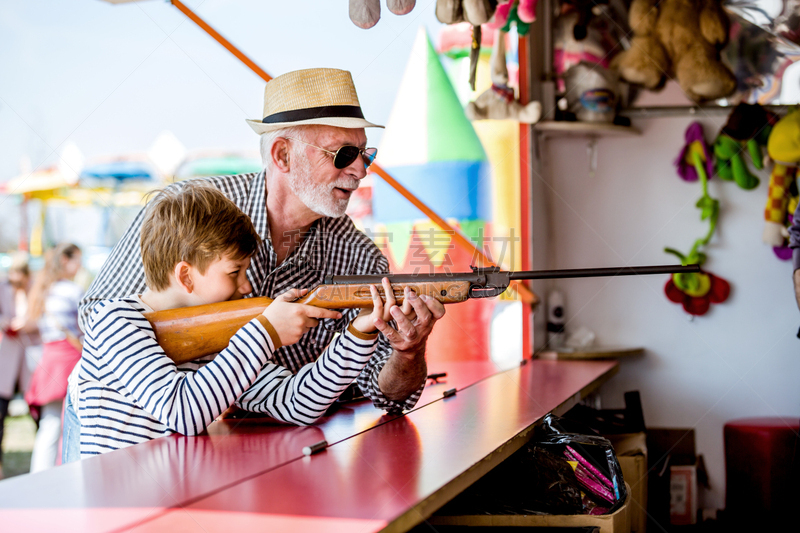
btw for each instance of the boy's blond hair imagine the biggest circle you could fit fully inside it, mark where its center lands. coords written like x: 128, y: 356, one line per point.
x: 193, y: 223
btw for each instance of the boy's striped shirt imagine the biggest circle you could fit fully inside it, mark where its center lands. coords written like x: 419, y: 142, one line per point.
x: 131, y: 392
x: 333, y: 246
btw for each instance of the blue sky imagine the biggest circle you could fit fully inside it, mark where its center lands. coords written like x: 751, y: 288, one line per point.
x: 110, y: 78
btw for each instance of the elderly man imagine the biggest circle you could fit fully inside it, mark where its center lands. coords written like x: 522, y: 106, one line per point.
x: 313, y: 146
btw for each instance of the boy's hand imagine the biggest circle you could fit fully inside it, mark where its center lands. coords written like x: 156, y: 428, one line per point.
x: 370, y: 319
x: 365, y: 321
x: 293, y: 320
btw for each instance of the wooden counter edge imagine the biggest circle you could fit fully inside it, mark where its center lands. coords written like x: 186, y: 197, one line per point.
x: 424, y: 509
x: 599, y: 352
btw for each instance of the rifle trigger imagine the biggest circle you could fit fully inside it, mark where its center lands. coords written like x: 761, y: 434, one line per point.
x: 476, y: 291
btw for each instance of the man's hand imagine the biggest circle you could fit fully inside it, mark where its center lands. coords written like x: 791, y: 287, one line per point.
x: 405, y: 370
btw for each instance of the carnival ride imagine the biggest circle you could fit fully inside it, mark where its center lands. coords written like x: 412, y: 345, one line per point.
x: 92, y: 204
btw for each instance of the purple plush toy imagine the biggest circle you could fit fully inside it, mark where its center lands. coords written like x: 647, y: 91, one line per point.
x: 695, y: 142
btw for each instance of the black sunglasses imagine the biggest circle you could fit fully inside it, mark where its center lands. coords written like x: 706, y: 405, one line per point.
x: 344, y: 156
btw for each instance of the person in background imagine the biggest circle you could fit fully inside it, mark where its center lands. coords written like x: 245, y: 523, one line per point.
x: 15, y: 373
x: 54, y: 306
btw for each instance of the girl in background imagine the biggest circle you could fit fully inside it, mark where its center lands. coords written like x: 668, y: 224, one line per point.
x: 15, y: 372
x: 54, y: 305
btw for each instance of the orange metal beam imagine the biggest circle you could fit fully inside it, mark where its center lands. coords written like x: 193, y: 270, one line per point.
x: 221, y: 40
x: 525, y: 294
x: 524, y: 190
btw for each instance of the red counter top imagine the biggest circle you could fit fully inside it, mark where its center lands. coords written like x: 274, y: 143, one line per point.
x: 379, y: 471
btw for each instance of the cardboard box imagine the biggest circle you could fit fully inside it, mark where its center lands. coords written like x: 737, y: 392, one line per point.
x: 683, y: 495
x: 631, y: 450
x: 674, y: 475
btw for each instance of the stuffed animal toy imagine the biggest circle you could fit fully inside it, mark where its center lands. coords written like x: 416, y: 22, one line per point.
x: 366, y: 13
x: 695, y: 157
x: 507, y: 15
x: 476, y: 12
x: 730, y: 163
x: 585, y: 9
x: 783, y: 147
x: 498, y: 102
x: 747, y: 128
x: 782, y: 200
x: 501, y: 15
x: 525, y: 11
x: 697, y: 290
x: 681, y: 39
x: 568, y: 52
x: 591, y: 92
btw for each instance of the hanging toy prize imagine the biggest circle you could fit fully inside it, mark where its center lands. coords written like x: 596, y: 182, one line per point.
x: 697, y: 290
x: 783, y: 147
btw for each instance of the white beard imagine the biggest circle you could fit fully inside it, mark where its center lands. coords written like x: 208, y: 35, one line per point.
x: 319, y: 197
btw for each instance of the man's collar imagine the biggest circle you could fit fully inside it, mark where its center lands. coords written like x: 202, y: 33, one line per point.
x: 312, y: 246
x: 311, y: 249
x: 257, y: 208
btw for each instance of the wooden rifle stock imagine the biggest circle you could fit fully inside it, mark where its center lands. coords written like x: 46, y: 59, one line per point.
x: 188, y: 333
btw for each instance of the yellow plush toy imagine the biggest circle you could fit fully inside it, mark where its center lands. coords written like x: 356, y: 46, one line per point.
x: 681, y: 39
x: 784, y: 148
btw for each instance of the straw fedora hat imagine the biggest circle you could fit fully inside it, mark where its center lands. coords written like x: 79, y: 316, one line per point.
x: 323, y: 96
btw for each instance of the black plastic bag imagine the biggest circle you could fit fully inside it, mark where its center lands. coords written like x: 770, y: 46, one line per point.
x: 531, y: 481
x: 539, y: 479
x: 592, y: 459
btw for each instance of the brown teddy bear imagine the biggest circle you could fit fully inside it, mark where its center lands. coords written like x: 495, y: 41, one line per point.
x: 681, y: 39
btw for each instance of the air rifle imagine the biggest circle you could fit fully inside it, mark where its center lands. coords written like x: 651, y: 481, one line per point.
x: 191, y: 332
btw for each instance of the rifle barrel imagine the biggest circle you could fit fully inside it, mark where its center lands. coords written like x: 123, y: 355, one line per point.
x: 601, y: 272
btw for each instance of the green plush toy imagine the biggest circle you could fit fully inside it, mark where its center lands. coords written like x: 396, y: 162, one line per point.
x: 747, y: 129
x: 697, y: 290
x: 709, y: 210
x: 730, y: 163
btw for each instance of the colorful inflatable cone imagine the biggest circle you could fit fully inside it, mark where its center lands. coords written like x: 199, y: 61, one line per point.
x: 431, y: 148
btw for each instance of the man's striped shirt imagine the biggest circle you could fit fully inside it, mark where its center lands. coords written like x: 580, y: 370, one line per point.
x: 333, y: 246
x: 130, y: 392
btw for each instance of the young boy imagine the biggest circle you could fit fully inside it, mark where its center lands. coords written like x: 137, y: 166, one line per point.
x: 196, y: 247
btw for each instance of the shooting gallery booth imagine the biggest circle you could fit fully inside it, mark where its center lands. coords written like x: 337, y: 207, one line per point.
x: 593, y: 395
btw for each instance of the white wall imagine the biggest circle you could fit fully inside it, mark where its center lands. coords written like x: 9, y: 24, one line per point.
x: 742, y: 358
